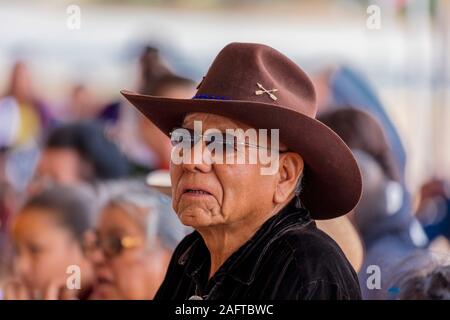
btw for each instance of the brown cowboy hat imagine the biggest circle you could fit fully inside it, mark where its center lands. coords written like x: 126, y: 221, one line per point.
x: 261, y: 87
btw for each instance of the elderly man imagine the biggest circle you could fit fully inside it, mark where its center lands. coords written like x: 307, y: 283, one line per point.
x: 255, y: 235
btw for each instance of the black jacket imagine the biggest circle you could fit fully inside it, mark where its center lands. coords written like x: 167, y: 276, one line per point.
x: 288, y: 258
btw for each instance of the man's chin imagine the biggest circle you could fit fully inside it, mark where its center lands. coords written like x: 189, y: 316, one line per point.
x: 195, y: 219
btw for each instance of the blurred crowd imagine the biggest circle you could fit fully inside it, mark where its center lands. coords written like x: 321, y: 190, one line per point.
x: 74, y: 191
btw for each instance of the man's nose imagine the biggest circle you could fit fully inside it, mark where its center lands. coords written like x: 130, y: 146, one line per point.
x: 200, y: 159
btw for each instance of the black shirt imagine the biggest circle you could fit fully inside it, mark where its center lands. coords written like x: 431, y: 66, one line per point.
x: 288, y: 258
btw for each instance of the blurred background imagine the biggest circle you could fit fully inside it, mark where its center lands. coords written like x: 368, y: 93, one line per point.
x: 64, y: 62
x: 406, y: 60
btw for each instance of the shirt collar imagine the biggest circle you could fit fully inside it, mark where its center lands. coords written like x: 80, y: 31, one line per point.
x: 248, y: 258
x: 243, y: 264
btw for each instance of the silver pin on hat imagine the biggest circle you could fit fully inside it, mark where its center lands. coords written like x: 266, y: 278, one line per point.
x: 264, y: 90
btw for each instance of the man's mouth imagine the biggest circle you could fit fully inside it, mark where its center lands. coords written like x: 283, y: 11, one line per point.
x: 196, y: 192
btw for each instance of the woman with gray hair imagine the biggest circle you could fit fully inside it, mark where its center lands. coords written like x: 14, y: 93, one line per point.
x: 136, y: 234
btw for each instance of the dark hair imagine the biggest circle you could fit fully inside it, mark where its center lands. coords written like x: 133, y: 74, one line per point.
x: 71, y: 207
x: 360, y: 130
x: 152, y: 68
x: 89, y: 140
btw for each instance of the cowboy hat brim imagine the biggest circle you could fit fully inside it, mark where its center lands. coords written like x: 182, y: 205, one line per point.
x: 332, y: 184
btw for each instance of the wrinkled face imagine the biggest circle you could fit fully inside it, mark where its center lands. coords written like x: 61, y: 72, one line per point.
x: 44, y: 249
x: 59, y: 165
x: 207, y: 195
x: 133, y: 273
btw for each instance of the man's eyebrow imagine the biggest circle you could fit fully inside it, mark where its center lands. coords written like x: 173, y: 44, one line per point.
x: 190, y: 124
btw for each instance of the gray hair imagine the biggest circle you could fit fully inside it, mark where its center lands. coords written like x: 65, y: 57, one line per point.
x: 299, y: 185
x: 298, y: 190
x: 423, y: 274
x: 160, y: 222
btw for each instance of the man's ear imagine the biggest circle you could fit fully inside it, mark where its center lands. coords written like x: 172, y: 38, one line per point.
x: 289, y: 171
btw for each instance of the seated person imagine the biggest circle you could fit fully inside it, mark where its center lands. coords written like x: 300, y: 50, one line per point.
x: 47, y: 233
x: 78, y: 153
x: 136, y: 234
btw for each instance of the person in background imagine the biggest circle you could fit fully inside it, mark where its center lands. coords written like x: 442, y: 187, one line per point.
x: 147, y: 149
x: 152, y: 68
x: 434, y: 285
x: 384, y: 215
x: 423, y: 275
x: 341, y: 86
x: 8, y: 202
x: 433, y: 211
x: 170, y: 86
x: 9, y: 196
x: 24, y: 118
x: 82, y: 104
x: 48, y: 235
x: 136, y: 234
x: 78, y: 153
x: 33, y: 113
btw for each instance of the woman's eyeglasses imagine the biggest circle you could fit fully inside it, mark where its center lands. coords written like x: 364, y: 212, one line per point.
x: 111, y: 245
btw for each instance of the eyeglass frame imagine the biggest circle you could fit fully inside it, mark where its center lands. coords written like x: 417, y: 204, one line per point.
x: 201, y: 137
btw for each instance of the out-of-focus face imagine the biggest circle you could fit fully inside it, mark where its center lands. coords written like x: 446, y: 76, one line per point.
x: 21, y: 81
x: 44, y: 250
x: 231, y: 194
x: 82, y: 104
x: 62, y: 166
x: 133, y: 273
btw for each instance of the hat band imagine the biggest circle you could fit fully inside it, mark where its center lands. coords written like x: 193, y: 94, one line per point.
x: 211, y: 97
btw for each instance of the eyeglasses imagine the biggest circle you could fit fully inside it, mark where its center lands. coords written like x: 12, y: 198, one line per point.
x: 213, y: 140
x: 112, y: 245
